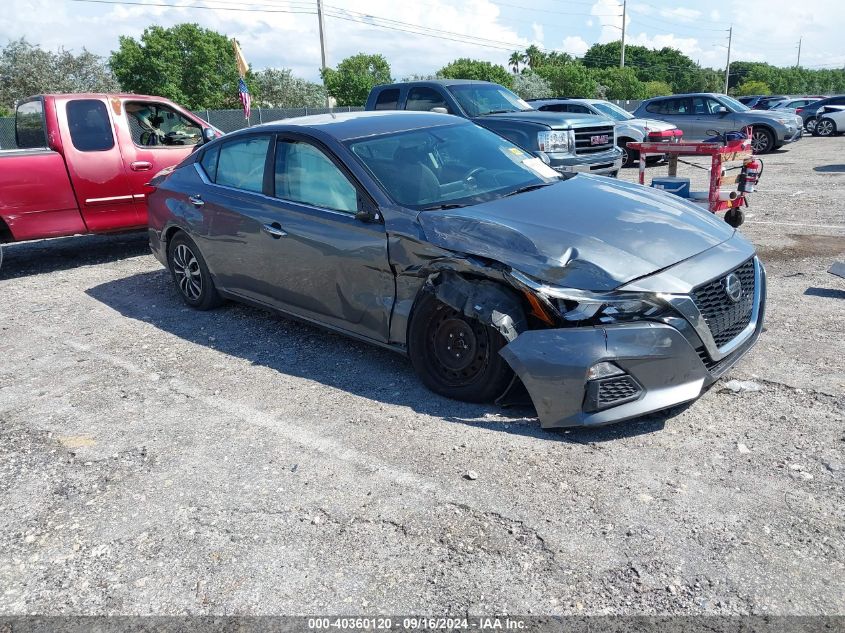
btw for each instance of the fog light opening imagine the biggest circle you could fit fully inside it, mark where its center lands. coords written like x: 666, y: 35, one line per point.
x: 603, y: 370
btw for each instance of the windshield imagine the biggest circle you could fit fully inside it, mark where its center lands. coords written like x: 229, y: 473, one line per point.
x: 455, y: 165
x: 480, y: 99
x: 732, y: 104
x: 612, y: 110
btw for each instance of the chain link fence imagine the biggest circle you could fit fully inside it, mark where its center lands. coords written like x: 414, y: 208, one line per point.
x: 231, y: 120
x: 7, y: 133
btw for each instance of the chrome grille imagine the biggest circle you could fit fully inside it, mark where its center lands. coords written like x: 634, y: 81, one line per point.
x: 725, y: 318
x: 583, y: 144
x: 616, y: 390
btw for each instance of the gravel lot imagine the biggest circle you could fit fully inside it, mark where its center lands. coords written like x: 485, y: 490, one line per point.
x: 157, y: 460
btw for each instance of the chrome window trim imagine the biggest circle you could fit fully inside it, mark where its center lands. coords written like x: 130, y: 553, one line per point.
x: 685, y: 305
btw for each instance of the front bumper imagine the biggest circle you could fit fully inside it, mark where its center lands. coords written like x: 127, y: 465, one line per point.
x: 664, y: 363
x: 795, y: 135
x: 602, y: 163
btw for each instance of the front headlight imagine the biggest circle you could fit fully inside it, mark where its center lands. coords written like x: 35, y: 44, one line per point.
x: 556, y: 141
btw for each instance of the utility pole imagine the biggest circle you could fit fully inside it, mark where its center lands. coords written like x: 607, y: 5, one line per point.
x: 798, y: 65
x: 728, y: 65
x: 622, y: 59
x: 322, y: 26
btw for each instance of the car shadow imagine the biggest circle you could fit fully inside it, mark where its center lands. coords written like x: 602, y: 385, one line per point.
x: 22, y: 259
x: 299, y: 349
x: 827, y: 293
x: 830, y: 169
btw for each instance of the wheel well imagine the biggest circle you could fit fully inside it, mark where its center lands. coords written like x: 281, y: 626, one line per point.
x: 168, y: 235
x: 5, y: 233
x: 624, y: 139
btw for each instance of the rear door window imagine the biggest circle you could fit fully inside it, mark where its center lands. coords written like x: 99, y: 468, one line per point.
x: 388, y: 99
x: 90, y: 126
x: 424, y: 99
x: 241, y: 163
x: 209, y: 162
x: 30, y: 131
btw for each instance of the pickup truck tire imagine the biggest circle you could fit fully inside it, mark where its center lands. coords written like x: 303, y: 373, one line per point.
x: 629, y: 156
x: 190, y: 273
x: 454, y: 355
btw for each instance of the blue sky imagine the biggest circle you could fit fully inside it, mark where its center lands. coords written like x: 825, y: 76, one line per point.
x: 283, y: 33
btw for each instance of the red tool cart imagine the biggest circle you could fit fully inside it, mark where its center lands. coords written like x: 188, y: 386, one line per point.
x: 722, y: 154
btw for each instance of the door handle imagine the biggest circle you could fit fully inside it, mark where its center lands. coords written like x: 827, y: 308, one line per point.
x: 274, y: 229
x: 196, y: 200
x: 140, y: 165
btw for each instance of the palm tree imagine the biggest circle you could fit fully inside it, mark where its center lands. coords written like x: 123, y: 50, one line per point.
x: 534, y: 56
x: 514, y: 61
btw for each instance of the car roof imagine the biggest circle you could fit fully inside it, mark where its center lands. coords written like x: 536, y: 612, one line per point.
x: 344, y: 126
x: 567, y: 100
x: 438, y: 82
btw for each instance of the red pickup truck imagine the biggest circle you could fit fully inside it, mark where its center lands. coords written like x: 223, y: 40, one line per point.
x: 83, y: 161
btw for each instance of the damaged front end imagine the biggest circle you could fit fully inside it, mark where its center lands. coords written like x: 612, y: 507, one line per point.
x: 594, y: 358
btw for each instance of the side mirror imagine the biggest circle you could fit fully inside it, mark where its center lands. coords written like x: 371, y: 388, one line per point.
x: 208, y: 135
x: 722, y: 111
x: 439, y: 110
x: 367, y: 211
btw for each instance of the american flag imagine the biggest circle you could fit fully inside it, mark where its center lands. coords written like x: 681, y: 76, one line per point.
x: 243, y: 93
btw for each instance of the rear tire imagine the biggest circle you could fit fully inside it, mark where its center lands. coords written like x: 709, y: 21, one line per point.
x: 810, y: 124
x: 454, y: 355
x: 825, y: 127
x: 190, y: 273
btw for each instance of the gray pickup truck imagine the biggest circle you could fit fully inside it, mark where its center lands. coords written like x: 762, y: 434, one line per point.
x: 569, y: 142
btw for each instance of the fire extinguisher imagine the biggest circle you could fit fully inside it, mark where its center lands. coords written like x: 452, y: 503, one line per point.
x: 752, y: 169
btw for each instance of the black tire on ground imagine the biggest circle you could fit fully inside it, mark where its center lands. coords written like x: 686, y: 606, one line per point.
x: 762, y: 140
x: 825, y: 127
x: 190, y: 273
x: 629, y: 156
x: 454, y: 355
x: 810, y: 124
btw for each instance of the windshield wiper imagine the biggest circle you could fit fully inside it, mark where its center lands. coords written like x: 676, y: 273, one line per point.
x: 445, y: 205
x: 499, y: 112
x: 539, y: 185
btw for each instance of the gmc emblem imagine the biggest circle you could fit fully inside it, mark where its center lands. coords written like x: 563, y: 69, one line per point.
x: 598, y: 140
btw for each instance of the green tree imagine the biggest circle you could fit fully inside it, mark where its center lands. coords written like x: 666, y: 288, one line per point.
x: 666, y: 64
x: 354, y: 77
x: 656, y: 89
x: 27, y: 70
x: 514, y: 61
x: 618, y: 83
x: 186, y: 63
x: 530, y: 85
x: 465, y: 68
x: 753, y: 87
x: 571, y: 80
x: 278, y: 88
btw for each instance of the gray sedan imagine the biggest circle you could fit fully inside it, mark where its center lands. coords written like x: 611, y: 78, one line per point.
x: 700, y: 115
x: 433, y: 237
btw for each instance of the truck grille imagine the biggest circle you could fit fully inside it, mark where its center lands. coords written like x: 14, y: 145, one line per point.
x: 584, y: 135
x: 726, y: 318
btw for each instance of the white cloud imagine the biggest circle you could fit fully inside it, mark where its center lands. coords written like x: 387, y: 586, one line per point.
x: 681, y: 14
x: 609, y: 15
x: 715, y: 15
x: 537, y: 31
x: 687, y: 45
x: 575, y: 45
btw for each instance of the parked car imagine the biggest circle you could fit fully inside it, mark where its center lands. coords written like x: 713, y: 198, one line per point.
x: 792, y: 104
x: 569, y: 142
x: 808, y: 112
x: 761, y: 102
x: 82, y: 162
x: 628, y: 127
x: 700, y: 115
x: 436, y: 238
x: 830, y: 121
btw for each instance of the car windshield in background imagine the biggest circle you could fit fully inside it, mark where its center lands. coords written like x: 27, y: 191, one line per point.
x: 481, y: 99
x: 613, y: 111
x: 732, y: 104
x: 454, y: 165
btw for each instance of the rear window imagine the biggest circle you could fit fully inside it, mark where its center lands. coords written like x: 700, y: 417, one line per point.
x: 90, y: 127
x: 30, y: 131
x: 209, y: 162
x: 241, y: 163
x: 388, y: 99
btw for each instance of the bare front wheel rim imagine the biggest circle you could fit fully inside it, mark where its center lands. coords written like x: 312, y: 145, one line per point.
x: 186, y: 269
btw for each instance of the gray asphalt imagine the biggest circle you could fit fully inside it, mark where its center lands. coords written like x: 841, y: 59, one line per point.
x: 156, y: 460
